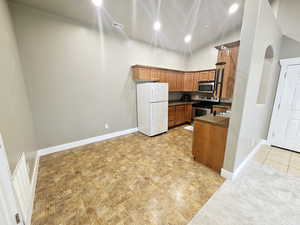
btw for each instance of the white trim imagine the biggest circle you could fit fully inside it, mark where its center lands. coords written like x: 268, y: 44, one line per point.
x: 231, y: 176
x: 75, y: 144
x: 33, y: 187
x: 290, y: 62
x: 226, y: 174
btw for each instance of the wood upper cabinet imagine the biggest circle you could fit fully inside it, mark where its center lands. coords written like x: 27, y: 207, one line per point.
x: 188, y: 83
x: 211, y: 75
x: 141, y: 73
x: 196, y: 79
x: 204, y: 76
x: 155, y: 74
x: 179, y: 81
x: 163, y: 76
x: 229, y: 55
x: 171, y: 79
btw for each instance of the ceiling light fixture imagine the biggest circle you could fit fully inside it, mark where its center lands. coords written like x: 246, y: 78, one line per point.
x: 156, y: 25
x: 233, y: 8
x: 97, y: 3
x: 188, y: 38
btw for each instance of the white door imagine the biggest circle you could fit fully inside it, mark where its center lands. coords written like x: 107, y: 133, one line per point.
x: 159, y: 92
x: 285, y: 124
x: 159, y: 118
x: 9, y: 214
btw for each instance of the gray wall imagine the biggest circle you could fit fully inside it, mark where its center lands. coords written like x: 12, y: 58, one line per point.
x: 78, y: 80
x: 206, y: 57
x: 288, y: 18
x: 290, y: 48
x: 16, y: 124
x: 250, y: 121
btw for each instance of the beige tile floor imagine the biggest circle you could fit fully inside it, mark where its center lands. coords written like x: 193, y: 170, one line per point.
x: 133, y: 180
x: 283, y: 160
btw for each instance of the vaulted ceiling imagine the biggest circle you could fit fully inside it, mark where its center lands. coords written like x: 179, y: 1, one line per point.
x: 205, y: 20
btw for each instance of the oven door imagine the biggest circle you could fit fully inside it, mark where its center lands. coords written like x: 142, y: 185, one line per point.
x: 206, y: 87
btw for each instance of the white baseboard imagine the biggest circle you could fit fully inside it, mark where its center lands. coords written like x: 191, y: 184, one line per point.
x: 226, y: 174
x: 33, y: 187
x: 231, y: 176
x: 75, y: 144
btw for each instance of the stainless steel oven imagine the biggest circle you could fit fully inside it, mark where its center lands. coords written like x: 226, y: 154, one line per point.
x: 206, y: 87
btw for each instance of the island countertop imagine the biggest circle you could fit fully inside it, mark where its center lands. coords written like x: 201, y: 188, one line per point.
x: 214, y: 120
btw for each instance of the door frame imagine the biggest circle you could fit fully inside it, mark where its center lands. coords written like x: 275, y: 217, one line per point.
x: 285, y: 64
x: 8, y: 200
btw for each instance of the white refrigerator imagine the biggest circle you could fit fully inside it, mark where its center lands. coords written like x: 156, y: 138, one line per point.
x: 152, y: 107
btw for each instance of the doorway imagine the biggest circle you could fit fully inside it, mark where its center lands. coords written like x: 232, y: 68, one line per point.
x: 285, y: 123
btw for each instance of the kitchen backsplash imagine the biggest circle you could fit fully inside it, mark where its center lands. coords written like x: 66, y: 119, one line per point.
x: 175, y: 96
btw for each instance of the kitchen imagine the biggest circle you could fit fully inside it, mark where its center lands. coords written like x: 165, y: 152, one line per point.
x: 200, y: 98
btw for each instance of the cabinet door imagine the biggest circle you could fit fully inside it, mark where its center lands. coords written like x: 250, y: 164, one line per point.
x: 204, y: 76
x: 188, y: 82
x: 222, y: 55
x: 171, y: 76
x: 211, y: 75
x: 196, y: 79
x: 141, y: 73
x: 188, y: 113
x: 229, y: 73
x: 171, y: 116
x: 180, y: 114
x: 179, y: 81
x: 155, y: 74
x: 163, y: 76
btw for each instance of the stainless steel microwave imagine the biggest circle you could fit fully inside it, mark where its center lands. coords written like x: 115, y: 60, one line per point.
x: 206, y: 87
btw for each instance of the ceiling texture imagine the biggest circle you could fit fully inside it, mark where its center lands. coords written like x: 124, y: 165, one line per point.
x: 205, y: 20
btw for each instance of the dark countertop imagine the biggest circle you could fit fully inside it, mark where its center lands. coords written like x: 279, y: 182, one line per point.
x: 214, y: 120
x: 222, y: 106
x: 173, y: 103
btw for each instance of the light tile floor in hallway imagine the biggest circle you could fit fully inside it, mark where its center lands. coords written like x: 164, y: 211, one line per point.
x: 266, y: 192
x: 280, y: 159
x: 134, y: 179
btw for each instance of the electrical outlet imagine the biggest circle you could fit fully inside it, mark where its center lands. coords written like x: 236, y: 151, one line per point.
x: 106, y: 126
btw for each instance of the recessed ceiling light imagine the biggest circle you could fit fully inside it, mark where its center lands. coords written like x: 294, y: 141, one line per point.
x: 188, y: 38
x: 97, y: 3
x: 157, y: 25
x: 233, y: 8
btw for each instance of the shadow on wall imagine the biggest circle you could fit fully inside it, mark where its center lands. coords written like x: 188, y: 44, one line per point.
x: 266, y: 72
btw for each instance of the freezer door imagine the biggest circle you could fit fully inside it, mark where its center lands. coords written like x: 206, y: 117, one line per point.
x: 159, y: 92
x: 159, y: 118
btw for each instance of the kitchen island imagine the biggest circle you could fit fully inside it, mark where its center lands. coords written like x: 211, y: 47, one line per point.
x: 209, y: 140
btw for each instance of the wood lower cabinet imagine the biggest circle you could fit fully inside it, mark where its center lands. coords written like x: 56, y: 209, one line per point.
x: 209, y: 143
x: 188, y: 113
x: 179, y: 114
x: 171, y: 116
